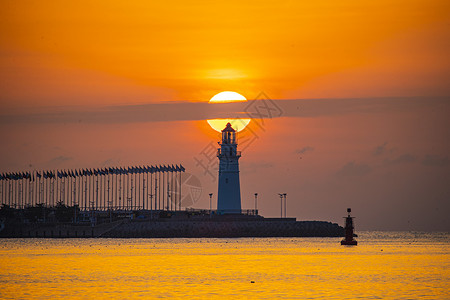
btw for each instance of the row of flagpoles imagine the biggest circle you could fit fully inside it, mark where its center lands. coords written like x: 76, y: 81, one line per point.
x: 115, y: 188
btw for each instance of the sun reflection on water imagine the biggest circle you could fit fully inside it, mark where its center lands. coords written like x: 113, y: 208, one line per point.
x: 392, y: 266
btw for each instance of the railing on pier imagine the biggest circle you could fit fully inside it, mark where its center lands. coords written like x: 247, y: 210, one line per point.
x: 247, y: 212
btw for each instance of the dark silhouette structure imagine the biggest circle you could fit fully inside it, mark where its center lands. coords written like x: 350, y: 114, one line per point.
x: 348, y: 240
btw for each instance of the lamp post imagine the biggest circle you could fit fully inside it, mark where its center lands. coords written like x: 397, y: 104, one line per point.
x: 256, y: 204
x: 281, y: 202
x: 284, y: 204
x: 210, y: 200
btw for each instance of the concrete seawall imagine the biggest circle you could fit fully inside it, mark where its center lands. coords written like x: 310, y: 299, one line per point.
x: 177, y: 229
x: 195, y: 229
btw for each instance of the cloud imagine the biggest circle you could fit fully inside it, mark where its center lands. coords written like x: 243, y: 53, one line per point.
x: 304, y: 149
x: 380, y: 149
x: 436, y: 160
x: 404, y: 158
x: 188, y: 111
x: 354, y: 169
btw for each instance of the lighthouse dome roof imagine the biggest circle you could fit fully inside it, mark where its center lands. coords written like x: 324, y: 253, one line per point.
x: 228, y: 128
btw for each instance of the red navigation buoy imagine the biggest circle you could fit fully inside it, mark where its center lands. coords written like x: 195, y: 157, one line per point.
x: 349, y: 230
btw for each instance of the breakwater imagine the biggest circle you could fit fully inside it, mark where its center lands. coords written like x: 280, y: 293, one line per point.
x: 193, y: 228
x: 226, y: 229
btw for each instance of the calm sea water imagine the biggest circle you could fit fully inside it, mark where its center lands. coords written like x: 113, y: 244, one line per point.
x: 385, y: 265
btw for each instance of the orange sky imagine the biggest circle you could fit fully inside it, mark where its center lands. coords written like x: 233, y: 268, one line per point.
x: 80, y: 52
x: 71, y: 72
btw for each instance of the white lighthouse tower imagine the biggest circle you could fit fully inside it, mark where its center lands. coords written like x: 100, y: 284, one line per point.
x: 229, y: 195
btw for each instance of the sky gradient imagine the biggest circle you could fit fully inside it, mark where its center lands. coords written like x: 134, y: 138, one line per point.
x: 363, y: 92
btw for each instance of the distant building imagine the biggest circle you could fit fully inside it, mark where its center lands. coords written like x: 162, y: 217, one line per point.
x: 229, y: 194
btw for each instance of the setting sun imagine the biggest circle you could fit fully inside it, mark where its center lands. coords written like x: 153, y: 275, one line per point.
x: 227, y: 97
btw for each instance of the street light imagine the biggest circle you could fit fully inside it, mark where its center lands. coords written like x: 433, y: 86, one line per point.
x: 256, y: 203
x: 210, y: 199
x: 284, y: 204
x: 281, y: 202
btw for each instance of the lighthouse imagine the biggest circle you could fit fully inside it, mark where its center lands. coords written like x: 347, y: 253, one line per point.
x: 229, y: 194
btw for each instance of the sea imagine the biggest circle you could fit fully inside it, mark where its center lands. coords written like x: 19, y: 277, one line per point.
x: 384, y: 265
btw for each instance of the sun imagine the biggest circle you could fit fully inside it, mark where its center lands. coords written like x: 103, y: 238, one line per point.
x: 226, y: 97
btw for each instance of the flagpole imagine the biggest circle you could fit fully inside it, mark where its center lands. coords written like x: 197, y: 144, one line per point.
x: 128, y: 188
x: 176, y: 187
x: 136, y: 194
x: 181, y: 180
x: 120, y: 186
x: 156, y: 193
x: 29, y: 193
x: 159, y: 190
x: 47, y: 191
x: 38, y: 195
x: 109, y: 204
x: 96, y: 189
x: 146, y: 198
x: 115, y: 198
x: 143, y: 192
x: 163, y: 188
x: 173, y: 204
x: 151, y: 191
x: 138, y: 182
x: 85, y: 174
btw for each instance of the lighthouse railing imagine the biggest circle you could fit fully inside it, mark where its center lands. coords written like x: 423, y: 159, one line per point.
x: 227, y: 153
